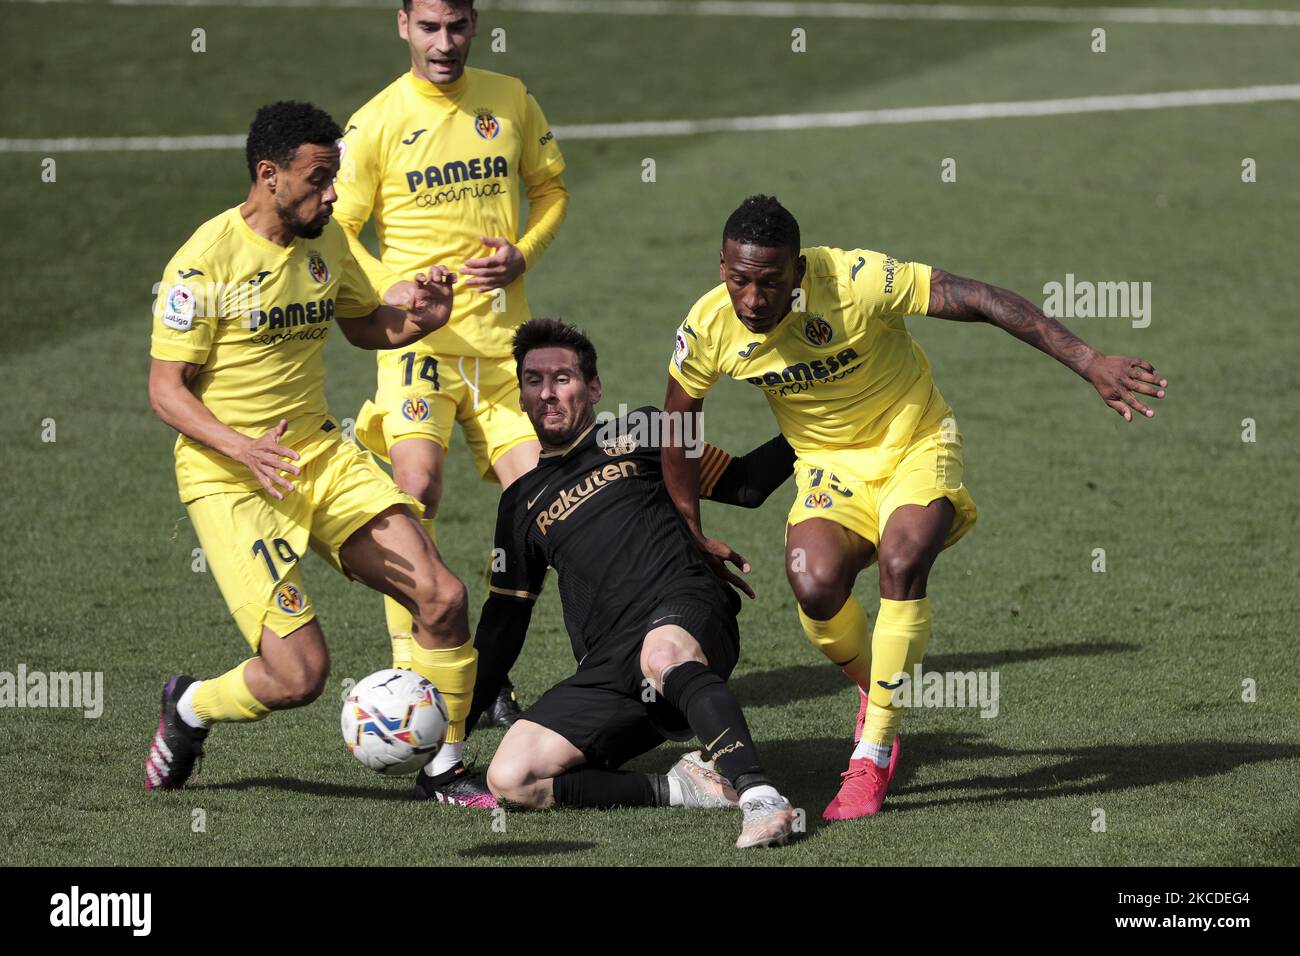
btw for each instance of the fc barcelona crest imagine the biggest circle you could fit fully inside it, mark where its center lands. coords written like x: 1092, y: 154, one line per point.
x: 619, y: 445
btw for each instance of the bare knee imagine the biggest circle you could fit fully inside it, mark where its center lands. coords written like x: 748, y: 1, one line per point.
x: 298, y: 683
x: 420, y: 483
x: 904, y: 572
x: 820, y: 588
x: 512, y: 780
x: 660, y: 653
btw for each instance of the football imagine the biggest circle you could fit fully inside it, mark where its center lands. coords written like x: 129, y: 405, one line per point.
x: 394, y: 721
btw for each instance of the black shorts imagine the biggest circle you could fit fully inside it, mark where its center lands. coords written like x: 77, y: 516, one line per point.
x: 608, y: 709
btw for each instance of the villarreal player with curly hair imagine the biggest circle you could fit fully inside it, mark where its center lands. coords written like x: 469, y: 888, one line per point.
x: 820, y: 331
x: 239, y: 332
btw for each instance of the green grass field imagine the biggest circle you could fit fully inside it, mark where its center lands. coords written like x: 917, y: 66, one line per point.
x: 1120, y: 691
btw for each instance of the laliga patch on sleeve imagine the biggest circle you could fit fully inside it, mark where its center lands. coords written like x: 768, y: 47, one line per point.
x: 683, y: 350
x: 178, y: 310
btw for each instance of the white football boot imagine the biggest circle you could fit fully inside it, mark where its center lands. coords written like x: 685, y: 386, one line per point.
x: 702, y: 786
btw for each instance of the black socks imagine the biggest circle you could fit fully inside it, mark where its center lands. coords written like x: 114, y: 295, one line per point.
x: 599, y: 789
x: 715, y: 716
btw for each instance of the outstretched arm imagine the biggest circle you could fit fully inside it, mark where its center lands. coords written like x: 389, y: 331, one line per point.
x: 1119, y: 379
x: 390, y: 328
x: 746, y: 481
x: 682, y: 474
x: 682, y: 479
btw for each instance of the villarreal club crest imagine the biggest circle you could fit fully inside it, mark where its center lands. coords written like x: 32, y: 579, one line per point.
x: 486, y: 125
x: 817, y: 330
x: 415, y: 409
x: 317, y: 269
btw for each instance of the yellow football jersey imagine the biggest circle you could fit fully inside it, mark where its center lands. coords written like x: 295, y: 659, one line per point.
x: 843, y: 376
x: 438, y: 167
x: 255, y: 316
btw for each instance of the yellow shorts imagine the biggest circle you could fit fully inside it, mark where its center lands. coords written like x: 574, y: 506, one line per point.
x: 423, y: 396
x: 253, y: 543
x: 930, y: 468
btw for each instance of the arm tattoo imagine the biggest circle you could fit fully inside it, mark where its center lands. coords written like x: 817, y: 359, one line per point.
x: 969, y: 300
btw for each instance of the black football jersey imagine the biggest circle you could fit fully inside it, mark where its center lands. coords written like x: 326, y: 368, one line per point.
x: 598, y: 512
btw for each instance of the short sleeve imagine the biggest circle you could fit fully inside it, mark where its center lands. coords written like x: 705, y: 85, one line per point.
x: 360, y: 174
x: 881, y: 285
x: 517, y: 569
x: 185, y: 313
x: 692, y: 364
x: 356, y: 296
x: 540, y: 158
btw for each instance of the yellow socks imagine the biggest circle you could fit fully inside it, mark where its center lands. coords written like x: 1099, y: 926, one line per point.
x: 843, y: 639
x: 399, y: 632
x: 452, y: 671
x: 897, y: 646
x: 399, y: 619
x: 227, y: 699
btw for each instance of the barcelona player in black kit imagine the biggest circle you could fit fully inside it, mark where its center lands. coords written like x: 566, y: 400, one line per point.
x: 653, y: 628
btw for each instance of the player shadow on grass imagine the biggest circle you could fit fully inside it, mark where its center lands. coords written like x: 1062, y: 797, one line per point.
x: 807, y: 770
x: 511, y: 849
x: 399, y: 789
x: 783, y: 685
x: 1067, y: 771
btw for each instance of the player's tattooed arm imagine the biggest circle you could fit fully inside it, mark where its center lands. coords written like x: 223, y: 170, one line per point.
x: 1119, y: 379
x: 390, y: 328
x: 682, y: 479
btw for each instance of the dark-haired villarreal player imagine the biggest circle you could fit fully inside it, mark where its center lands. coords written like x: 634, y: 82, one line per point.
x: 821, y: 331
x: 439, y: 159
x: 238, y: 369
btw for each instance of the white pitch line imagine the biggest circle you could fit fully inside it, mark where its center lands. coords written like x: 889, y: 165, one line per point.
x: 1117, y: 103
x: 793, y: 10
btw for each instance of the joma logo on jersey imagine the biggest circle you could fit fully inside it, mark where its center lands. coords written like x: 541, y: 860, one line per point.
x: 806, y: 371
x: 293, y: 314
x: 570, y: 499
x: 458, y: 171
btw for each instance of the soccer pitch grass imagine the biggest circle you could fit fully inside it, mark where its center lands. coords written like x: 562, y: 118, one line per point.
x: 1120, y: 692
